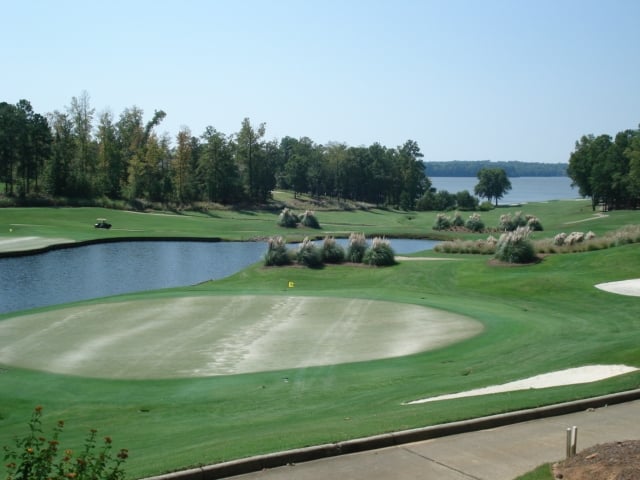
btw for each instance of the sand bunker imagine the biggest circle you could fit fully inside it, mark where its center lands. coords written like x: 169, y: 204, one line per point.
x: 624, y: 287
x: 211, y: 335
x: 571, y: 376
x: 18, y: 244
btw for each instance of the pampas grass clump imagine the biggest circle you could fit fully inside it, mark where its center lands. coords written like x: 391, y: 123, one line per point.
x: 356, y: 248
x: 515, y: 246
x: 332, y: 252
x: 380, y: 254
x: 277, y: 254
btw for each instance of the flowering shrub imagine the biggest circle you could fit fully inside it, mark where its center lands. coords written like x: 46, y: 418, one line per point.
x: 515, y: 246
x: 308, y: 254
x: 356, y: 248
x: 276, y: 254
x: 332, y: 252
x: 38, y: 458
x: 380, y: 254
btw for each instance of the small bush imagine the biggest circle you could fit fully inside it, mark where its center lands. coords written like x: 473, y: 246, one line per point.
x: 288, y: 219
x: 534, y: 223
x: 457, y: 220
x: 332, y: 252
x: 380, y: 254
x: 474, y: 223
x: 38, y: 458
x: 442, y: 222
x: 308, y: 254
x: 277, y: 254
x: 515, y: 246
x: 309, y: 219
x: 356, y: 248
x: 486, y: 206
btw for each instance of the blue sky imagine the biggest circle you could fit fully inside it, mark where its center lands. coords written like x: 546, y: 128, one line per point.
x: 468, y: 80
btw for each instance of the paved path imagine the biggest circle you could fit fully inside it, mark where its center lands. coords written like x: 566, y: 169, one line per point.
x: 501, y: 453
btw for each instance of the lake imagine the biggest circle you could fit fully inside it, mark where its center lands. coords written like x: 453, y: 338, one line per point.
x: 92, y: 271
x: 524, y: 189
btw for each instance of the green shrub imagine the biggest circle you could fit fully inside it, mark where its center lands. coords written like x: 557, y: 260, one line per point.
x: 277, y: 254
x: 534, y: 223
x: 308, y: 219
x: 457, y: 220
x: 442, y: 222
x: 288, y: 219
x: 332, y: 252
x: 515, y: 247
x: 308, y: 254
x: 38, y: 458
x: 356, y: 248
x: 486, y: 206
x: 474, y: 223
x: 380, y: 254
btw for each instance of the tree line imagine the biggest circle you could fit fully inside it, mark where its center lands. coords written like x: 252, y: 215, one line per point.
x: 607, y: 170
x: 76, y: 153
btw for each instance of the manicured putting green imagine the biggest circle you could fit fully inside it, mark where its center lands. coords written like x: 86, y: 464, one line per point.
x: 222, y: 335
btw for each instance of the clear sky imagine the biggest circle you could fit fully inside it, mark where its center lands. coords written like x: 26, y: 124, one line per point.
x: 468, y: 80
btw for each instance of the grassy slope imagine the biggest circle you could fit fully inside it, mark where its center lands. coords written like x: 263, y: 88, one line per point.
x: 77, y: 223
x: 538, y: 319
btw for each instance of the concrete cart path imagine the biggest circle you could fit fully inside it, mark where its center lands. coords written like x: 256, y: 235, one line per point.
x: 501, y: 453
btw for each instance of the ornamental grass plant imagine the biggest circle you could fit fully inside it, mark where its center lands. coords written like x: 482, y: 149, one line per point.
x: 288, y: 219
x: 332, y: 251
x: 380, y: 254
x: 277, y: 253
x: 356, y: 248
x: 309, y: 219
x: 516, y: 247
x: 308, y: 254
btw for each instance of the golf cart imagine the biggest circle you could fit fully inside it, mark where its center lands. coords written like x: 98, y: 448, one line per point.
x: 102, y: 223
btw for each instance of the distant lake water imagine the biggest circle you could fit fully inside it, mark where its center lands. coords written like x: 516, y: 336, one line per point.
x: 524, y: 189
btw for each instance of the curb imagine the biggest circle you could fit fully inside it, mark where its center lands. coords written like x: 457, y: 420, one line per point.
x: 300, y: 455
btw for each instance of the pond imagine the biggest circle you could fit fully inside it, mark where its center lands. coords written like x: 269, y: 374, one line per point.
x: 101, y: 270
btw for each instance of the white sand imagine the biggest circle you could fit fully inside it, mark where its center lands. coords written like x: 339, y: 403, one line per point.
x: 571, y: 376
x: 15, y: 244
x: 625, y: 287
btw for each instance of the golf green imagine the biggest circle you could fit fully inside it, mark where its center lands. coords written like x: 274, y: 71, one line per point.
x: 201, y: 336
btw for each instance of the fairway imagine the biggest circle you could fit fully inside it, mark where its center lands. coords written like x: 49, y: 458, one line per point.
x: 202, y: 336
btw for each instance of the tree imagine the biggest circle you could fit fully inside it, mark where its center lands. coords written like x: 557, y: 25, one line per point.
x: 109, y: 157
x: 217, y: 169
x: 84, y: 161
x: 412, y: 173
x: 181, y: 164
x: 493, y: 183
x: 58, y: 170
x: 8, y: 144
x: 248, y: 156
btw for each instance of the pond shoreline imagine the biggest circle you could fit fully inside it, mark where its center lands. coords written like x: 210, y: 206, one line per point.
x: 97, y: 241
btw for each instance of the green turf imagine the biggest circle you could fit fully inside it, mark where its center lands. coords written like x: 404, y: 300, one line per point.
x: 77, y: 223
x: 537, y: 319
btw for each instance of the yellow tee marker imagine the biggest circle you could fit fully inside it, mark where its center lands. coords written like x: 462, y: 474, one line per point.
x: 291, y: 284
